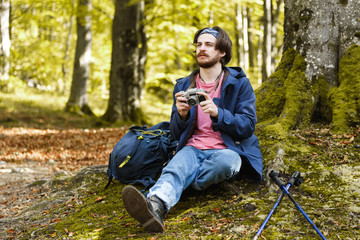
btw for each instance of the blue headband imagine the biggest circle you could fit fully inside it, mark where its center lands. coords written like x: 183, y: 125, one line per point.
x: 211, y: 31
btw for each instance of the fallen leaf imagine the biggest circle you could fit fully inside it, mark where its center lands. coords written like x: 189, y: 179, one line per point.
x: 10, y: 231
x: 129, y: 224
x: 99, y: 199
x: 223, y: 220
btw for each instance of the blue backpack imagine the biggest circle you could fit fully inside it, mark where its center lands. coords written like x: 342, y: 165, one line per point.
x: 139, y: 156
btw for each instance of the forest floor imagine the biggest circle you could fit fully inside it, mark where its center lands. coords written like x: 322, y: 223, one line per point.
x: 38, y: 144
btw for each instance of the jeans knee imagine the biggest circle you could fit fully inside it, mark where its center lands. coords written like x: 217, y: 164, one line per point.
x: 228, y: 161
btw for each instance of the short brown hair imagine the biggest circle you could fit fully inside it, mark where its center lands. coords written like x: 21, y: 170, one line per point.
x: 223, y: 44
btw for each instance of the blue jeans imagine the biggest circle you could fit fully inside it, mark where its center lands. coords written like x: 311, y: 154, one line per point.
x: 198, y: 168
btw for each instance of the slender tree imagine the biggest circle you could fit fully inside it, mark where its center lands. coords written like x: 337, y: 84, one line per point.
x: 127, y: 63
x: 78, y: 100
x: 239, y: 35
x: 266, y: 57
x: 65, y: 70
x: 318, y: 78
x: 4, y: 40
x: 252, y: 53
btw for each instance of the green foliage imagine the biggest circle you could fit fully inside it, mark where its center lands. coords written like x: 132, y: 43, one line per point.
x: 43, y: 36
x: 37, y: 40
x: 40, y: 30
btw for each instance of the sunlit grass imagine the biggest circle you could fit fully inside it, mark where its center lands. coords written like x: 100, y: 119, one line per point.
x: 30, y: 107
x: 27, y: 106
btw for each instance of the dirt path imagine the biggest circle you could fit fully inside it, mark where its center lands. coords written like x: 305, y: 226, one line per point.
x: 15, y: 193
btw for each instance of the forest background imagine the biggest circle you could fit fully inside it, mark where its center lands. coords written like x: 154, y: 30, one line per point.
x: 76, y: 74
x: 43, y: 38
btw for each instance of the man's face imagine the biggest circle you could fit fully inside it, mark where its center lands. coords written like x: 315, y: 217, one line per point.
x: 206, y: 54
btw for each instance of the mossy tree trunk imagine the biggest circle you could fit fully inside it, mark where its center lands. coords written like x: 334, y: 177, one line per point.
x: 78, y: 100
x: 127, y: 63
x: 318, y: 76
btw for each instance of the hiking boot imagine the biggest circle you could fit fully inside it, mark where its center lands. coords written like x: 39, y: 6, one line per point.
x: 149, y: 212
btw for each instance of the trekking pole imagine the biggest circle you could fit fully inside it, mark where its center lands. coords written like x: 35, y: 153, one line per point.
x: 294, y: 179
x: 277, y: 180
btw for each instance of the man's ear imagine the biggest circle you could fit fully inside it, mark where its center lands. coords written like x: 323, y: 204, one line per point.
x: 222, y: 54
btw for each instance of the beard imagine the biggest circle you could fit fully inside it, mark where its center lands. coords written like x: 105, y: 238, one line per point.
x: 207, y: 63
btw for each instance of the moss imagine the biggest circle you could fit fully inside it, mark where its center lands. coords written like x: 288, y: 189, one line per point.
x: 271, y: 94
x: 345, y: 101
x: 285, y: 100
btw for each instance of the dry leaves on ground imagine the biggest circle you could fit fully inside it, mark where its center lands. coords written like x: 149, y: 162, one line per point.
x: 68, y: 150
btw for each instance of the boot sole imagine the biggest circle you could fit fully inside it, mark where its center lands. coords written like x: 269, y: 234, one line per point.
x: 136, y: 205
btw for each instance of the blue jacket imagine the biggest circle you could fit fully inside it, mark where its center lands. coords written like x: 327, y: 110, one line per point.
x: 236, y: 119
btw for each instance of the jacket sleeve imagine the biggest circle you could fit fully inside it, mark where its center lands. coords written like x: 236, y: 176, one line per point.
x: 177, y: 125
x: 239, y: 123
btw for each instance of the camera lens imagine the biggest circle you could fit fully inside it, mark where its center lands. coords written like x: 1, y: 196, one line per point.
x: 192, y: 101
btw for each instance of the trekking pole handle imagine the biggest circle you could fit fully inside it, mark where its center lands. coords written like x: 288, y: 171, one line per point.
x: 295, y: 179
x: 275, y: 177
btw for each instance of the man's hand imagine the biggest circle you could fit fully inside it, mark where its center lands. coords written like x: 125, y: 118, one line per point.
x: 182, y: 106
x: 208, y: 106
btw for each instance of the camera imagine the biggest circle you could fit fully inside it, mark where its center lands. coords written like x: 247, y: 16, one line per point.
x: 193, y: 98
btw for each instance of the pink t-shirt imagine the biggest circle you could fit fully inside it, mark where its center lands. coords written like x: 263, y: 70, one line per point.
x: 204, y: 137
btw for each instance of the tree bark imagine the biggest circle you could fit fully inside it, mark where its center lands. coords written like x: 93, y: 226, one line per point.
x: 313, y: 81
x: 127, y: 72
x: 78, y: 100
x: 4, y: 40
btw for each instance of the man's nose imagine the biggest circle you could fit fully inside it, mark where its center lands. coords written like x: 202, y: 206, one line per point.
x: 201, y: 48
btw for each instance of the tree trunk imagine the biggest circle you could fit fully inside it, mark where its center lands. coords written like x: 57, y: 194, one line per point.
x: 245, y: 37
x: 275, y: 25
x: 266, y: 64
x: 318, y: 76
x: 239, y: 38
x: 61, y: 82
x: 127, y: 72
x: 4, y: 40
x: 252, y: 53
x: 78, y: 100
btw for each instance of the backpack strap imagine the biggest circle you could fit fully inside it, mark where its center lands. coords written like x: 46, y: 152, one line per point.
x: 109, y: 182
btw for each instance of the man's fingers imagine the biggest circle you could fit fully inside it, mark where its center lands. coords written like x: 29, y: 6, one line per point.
x: 207, y: 97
